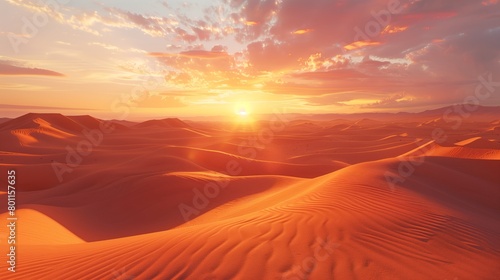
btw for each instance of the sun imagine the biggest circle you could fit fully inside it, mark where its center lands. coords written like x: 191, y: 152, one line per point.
x: 242, y: 109
x: 242, y: 113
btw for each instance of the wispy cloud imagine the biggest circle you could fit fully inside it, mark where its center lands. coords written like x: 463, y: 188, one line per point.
x: 35, y: 107
x: 309, y: 52
x: 16, y: 68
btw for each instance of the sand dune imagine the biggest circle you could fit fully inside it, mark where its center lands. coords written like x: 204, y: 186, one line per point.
x: 169, y: 122
x: 474, y: 148
x: 2, y: 120
x: 479, y: 143
x: 339, y: 199
x: 40, y: 229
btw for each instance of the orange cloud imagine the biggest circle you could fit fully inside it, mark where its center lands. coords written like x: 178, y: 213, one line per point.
x: 302, y: 31
x: 489, y: 2
x: 394, y: 29
x: 429, y: 15
x: 330, y: 75
x: 360, y: 44
x: 162, y: 101
x: 251, y: 23
x: 201, y: 54
x: 8, y: 68
x: 201, y: 69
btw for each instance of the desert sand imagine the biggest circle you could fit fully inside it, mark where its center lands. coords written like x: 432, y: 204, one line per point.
x: 353, y: 198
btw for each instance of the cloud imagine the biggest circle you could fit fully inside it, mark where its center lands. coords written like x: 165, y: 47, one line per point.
x: 393, y: 101
x: 152, y: 25
x: 195, y: 54
x: 98, y: 23
x: 54, y: 11
x: 201, y: 68
x: 339, y: 74
x: 162, y: 101
x: 14, y: 68
x: 360, y: 44
x: 256, y: 16
x: 429, y: 52
x: 308, y: 50
x: 35, y: 107
x: 116, y: 48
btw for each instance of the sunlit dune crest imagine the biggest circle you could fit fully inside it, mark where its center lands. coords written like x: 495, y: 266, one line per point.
x: 43, y: 230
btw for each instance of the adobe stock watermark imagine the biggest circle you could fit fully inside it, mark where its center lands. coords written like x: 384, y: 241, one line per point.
x: 94, y: 137
x: 322, y: 250
x: 249, y: 149
x: 455, y: 116
x: 30, y: 27
x: 381, y: 20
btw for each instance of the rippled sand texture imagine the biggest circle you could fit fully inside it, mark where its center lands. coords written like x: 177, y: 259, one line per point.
x: 340, y: 199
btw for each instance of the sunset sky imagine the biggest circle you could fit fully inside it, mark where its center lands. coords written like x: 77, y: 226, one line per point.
x: 196, y: 58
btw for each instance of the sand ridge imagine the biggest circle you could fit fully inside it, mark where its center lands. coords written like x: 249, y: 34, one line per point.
x: 312, y: 203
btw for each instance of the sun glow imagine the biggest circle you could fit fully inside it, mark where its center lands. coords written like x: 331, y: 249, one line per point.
x: 242, y: 113
x: 242, y: 108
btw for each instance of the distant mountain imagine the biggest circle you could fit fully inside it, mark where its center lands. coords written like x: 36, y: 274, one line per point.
x: 69, y: 124
x: 460, y: 110
x: 33, y: 120
x: 169, y: 122
x: 77, y: 123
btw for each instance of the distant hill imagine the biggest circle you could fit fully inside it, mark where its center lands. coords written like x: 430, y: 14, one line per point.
x: 169, y: 122
x: 69, y: 124
x: 458, y: 110
x: 33, y: 120
x: 2, y: 120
